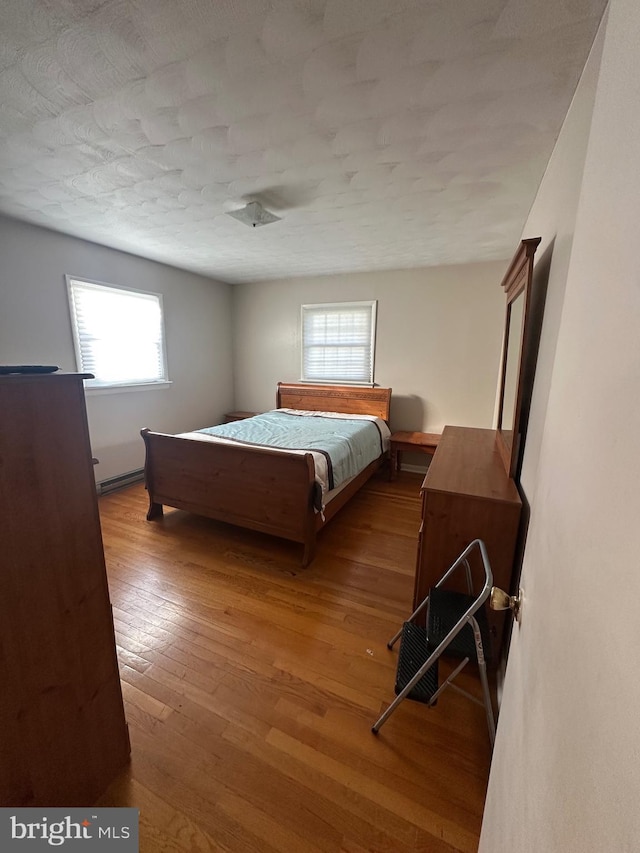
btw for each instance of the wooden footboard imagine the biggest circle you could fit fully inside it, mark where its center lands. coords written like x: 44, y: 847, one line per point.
x: 253, y: 487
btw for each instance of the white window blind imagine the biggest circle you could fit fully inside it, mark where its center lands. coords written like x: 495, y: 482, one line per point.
x: 118, y: 333
x: 338, y: 342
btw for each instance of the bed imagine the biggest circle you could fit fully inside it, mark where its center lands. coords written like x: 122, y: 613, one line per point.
x: 265, y: 489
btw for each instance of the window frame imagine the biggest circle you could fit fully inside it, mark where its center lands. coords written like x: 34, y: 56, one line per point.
x: 372, y: 305
x: 96, y: 385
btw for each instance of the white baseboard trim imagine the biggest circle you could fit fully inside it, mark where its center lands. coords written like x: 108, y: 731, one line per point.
x: 416, y: 469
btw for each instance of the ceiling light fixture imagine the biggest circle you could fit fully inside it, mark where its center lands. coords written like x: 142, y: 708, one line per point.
x: 254, y: 215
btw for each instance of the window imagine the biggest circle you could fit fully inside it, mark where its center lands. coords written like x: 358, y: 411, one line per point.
x: 338, y: 342
x: 118, y: 334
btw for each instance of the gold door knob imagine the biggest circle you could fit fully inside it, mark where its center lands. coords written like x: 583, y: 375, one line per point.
x: 501, y: 600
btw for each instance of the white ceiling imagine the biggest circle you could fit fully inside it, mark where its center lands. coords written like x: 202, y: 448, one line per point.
x: 385, y: 133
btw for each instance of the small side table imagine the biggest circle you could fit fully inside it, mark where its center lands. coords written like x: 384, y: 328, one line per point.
x: 416, y: 442
x: 238, y: 416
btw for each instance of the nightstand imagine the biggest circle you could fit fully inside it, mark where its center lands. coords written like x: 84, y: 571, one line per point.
x: 238, y: 416
x: 416, y: 442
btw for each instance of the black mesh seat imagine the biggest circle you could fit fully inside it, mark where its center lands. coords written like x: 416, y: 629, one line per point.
x: 414, y: 650
x: 444, y: 611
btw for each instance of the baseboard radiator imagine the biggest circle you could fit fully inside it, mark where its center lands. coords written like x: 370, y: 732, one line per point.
x: 120, y: 482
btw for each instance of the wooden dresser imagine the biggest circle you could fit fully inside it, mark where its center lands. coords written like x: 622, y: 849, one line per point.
x: 63, y: 735
x: 467, y: 495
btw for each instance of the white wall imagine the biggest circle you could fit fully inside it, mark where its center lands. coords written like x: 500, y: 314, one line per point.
x: 438, y: 339
x: 35, y: 329
x: 565, y: 773
x: 553, y: 217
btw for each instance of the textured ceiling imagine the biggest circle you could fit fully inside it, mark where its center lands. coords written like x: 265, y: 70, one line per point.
x: 385, y: 133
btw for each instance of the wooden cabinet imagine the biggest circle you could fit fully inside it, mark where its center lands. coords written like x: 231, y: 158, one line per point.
x: 416, y: 442
x: 63, y: 735
x: 467, y: 495
x: 238, y: 416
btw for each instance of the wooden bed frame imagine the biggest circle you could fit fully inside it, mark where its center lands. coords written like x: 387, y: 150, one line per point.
x: 259, y: 488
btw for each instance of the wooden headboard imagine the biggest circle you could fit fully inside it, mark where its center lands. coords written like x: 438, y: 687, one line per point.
x: 351, y: 399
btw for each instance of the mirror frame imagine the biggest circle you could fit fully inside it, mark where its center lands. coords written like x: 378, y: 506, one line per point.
x: 516, y: 281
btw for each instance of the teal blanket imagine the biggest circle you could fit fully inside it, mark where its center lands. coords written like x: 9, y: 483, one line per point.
x: 347, y: 444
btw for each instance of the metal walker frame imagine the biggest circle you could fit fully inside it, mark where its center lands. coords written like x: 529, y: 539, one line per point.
x: 467, y: 618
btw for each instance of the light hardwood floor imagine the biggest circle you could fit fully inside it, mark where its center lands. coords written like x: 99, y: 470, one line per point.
x: 251, y: 684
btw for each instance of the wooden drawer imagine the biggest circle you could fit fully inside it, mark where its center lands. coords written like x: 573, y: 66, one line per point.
x: 467, y: 495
